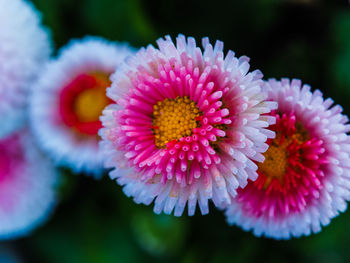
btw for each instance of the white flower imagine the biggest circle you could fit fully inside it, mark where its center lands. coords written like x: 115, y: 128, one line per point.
x: 24, y: 48
x: 305, y: 179
x: 68, y: 99
x: 27, y: 186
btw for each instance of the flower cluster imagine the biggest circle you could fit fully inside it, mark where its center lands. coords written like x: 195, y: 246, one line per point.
x: 191, y: 125
x: 27, y: 179
x: 178, y: 125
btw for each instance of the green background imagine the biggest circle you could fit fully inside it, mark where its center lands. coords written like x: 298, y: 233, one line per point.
x: 95, y: 222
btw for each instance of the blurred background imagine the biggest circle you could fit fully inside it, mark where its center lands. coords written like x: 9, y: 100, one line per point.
x: 95, y: 222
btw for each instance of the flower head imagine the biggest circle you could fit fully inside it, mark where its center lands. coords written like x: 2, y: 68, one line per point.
x: 304, y: 181
x: 68, y: 99
x: 27, y: 182
x: 24, y: 47
x: 186, y: 125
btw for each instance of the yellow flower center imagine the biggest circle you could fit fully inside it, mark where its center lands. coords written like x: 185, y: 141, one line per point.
x: 90, y: 103
x: 275, y: 163
x: 276, y: 157
x: 174, y: 119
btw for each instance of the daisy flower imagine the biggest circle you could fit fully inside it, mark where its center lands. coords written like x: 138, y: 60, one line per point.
x: 186, y: 126
x: 27, y: 182
x: 68, y: 99
x: 24, y: 47
x: 304, y: 181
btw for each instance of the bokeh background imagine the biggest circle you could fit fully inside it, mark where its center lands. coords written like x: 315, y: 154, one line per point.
x: 95, y: 222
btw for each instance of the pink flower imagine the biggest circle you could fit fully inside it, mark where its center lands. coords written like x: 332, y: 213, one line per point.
x: 27, y: 186
x: 304, y: 181
x: 187, y: 126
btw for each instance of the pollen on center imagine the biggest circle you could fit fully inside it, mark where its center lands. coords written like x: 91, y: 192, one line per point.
x: 174, y: 119
x: 90, y: 102
x: 275, y: 164
x: 276, y: 157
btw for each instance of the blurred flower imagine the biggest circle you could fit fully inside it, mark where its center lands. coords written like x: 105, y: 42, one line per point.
x: 24, y: 47
x: 304, y: 181
x: 186, y: 125
x: 69, y: 98
x: 27, y: 182
x: 8, y: 255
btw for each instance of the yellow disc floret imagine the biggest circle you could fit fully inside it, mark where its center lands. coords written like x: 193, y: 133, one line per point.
x: 174, y: 119
x: 276, y: 157
x: 275, y: 163
x: 90, y: 102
